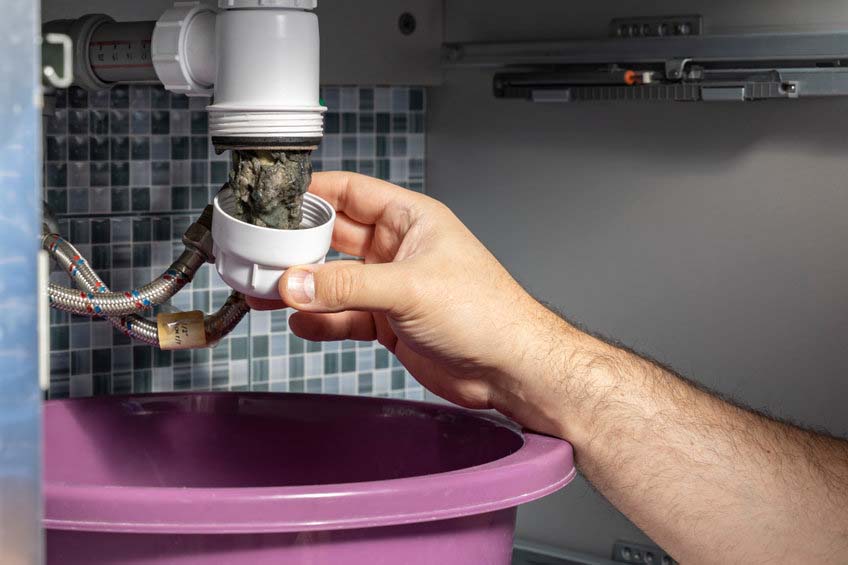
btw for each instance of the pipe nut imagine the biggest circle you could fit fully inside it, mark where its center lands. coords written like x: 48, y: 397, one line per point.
x: 199, y: 234
x: 175, y: 39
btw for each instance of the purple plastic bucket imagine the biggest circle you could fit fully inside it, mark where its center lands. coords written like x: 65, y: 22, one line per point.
x: 231, y: 478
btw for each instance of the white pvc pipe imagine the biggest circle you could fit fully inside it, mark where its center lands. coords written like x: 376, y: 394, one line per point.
x: 261, y: 62
x: 267, y: 83
x: 201, y: 48
x: 268, y: 59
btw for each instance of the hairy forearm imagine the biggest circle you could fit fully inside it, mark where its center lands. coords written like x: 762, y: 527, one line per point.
x: 709, y: 481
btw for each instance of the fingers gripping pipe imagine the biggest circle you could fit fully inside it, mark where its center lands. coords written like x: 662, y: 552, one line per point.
x: 170, y: 331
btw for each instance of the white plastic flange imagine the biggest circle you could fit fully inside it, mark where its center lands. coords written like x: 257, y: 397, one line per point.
x: 251, y: 259
x: 293, y: 4
x: 183, y: 49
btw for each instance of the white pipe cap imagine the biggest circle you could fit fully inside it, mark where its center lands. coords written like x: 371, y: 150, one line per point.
x: 251, y: 259
x: 291, y: 4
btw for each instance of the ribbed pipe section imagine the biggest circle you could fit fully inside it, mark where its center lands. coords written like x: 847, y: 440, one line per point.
x: 315, y: 213
x: 307, y: 123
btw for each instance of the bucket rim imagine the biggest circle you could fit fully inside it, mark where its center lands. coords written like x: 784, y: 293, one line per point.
x: 541, y: 466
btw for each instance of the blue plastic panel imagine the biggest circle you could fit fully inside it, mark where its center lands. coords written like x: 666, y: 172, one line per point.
x: 20, y: 221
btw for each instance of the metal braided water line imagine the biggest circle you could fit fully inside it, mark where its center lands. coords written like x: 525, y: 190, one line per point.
x: 102, y: 302
x: 216, y: 325
x: 70, y: 259
x: 224, y: 321
x: 96, y: 300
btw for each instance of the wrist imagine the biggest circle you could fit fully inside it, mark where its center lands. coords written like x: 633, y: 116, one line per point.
x: 534, y: 382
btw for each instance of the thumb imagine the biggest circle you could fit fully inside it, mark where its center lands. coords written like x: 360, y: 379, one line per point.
x: 342, y: 285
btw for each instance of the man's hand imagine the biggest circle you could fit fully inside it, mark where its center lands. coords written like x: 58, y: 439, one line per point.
x: 427, y: 289
x: 710, y: 482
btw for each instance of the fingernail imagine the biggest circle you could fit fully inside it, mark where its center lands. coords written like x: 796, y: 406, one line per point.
x: 301, y: 286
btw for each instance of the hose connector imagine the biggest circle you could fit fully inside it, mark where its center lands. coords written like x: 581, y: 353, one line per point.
x: 198, y: 236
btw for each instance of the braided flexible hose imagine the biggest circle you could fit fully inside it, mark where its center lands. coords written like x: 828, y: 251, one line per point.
x: 225, y: 320
x: 70, y: 259
x: 95, y: 299
x: 100, y: 301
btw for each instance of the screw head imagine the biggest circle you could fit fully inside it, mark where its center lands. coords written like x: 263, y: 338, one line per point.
x: 407, y: 23
x: 454, y: 53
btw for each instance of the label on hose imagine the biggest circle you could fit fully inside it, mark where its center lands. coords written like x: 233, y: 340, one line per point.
x: 181, y: 330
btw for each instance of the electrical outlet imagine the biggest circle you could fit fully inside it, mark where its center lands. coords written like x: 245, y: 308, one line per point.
x: 625, y: 552
x: 658, y: 26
